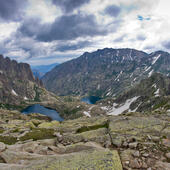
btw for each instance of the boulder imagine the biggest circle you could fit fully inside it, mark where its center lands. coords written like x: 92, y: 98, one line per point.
x: 135, y: 164
x: 133, y: 145
x: 49, y: 125
x: 167, y: 155
x: 97, y: 159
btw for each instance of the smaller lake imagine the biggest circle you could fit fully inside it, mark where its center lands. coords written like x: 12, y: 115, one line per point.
x: 36, y: 108
x: 90, y: 99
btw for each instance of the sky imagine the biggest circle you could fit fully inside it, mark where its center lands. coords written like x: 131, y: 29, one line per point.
x: 42, y: 32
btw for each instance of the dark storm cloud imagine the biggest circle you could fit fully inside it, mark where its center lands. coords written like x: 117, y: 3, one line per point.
x: 12, y: 9
x: 70, y: 46
x: 141, y: 37
x: 32, y: 27
x: 64, y: 28
x: 69, y: 5
x: 113, y: 10
x: 166, y: 44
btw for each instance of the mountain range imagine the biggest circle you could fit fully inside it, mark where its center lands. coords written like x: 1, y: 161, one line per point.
x: 134, y: 84
x: 40, y: 70
x: 105, y: 73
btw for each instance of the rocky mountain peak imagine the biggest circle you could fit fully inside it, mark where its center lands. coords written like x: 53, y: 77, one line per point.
x: 105, y: 72
x: 17, y: 82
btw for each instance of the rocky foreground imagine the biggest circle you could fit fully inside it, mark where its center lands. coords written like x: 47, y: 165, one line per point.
x: 131, y: 141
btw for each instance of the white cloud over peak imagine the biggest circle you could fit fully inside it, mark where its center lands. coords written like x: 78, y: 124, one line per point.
x: 55, y: 31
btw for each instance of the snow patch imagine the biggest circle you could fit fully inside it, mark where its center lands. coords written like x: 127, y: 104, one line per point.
x: 109, y: 93
x: 134, y: 79
x: 123, y: 59
x: 87, y: 114
x: 157, y: 93
x: 117, y: 78
x: 154, y: 85
x: 25, y: 98
x: 14, y: 93
x: 131, y: 75
x: 117, y: 53
x: 147, y: 68
x: 1, y: 72
x: 130, y: 55
x: 155, y: 59
x: 104, y: 108
x: 150, y: 73
x: 115, y: 104
x: 124, y: 107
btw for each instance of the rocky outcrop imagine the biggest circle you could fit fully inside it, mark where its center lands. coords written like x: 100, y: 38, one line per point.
x: 17, y: 83
x: 151, y: 94
x: 106, y: 72
x: 100, y: 142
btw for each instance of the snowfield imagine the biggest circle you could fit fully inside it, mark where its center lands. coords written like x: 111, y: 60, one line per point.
x: 122, y: 108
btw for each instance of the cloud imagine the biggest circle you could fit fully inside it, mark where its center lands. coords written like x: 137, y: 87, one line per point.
x: 166, y: 44
x: 141, y: 37
x: 64, y: 28
x: 69, y: 5
x: 120, y: 39
x: 113, y: 10
x: 149, y: 47
x: 32, y: 27
x: 73, y: 46
x: 12, y: 9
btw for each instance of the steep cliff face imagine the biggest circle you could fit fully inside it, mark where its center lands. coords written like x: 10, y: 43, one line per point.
x: 17, y: 82
x: 106, y: 72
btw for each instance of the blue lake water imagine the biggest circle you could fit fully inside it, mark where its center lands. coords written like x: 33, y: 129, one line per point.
x: 90, y: 99
x: 36, y: 108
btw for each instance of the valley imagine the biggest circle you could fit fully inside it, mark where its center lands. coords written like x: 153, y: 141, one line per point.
x: 106, y: 122
x: 84, y: 85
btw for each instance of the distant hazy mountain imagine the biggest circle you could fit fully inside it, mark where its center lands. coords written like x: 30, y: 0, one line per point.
x: 40, y: 70
x: 106, y: 72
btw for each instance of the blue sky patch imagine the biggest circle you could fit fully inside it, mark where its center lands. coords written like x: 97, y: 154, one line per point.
x: 140, y: 18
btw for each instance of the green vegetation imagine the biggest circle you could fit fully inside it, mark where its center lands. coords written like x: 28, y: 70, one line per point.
x: 38, y: 134
x: 69, y: 99
x: 1, y: 130
x: 37, y: 95
x: 11, y: 107
x: 94, y: 127
x: 70, y: 111
x: 15, y: 130
x: 160, y: 104
x: 10, y: 140
x: 167, y: 106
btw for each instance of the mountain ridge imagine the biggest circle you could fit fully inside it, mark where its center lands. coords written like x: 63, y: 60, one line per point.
x: 40, y: 70
x: 105, y: 72
x: 17, y: 82
x: 149, y: 95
